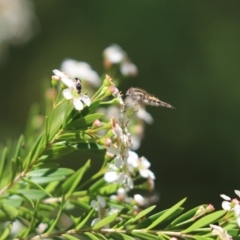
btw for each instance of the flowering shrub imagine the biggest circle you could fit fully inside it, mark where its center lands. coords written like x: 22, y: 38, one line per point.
x: 40, y: 200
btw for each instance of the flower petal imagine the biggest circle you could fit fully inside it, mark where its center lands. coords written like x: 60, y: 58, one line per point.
x: 110, y: 177
x: 225, y: 197
x: 67, y: 94
x: 78, y: 104
x: 86, y: 99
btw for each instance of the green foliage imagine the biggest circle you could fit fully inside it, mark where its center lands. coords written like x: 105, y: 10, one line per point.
x: 45, y: 201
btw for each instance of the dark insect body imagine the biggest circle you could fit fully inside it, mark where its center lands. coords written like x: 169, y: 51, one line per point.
x: 140, y: 96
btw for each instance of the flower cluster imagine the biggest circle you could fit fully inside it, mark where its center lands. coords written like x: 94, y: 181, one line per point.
x: 126, y: 166
x: 115, y: 55
x: 232, y: 205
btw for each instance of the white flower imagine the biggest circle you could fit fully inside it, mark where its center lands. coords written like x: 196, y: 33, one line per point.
x: 132, y: 161
x: 139, y: 199
x: 232, y: 204
x: 112, y: 174
x: 220, y: 232
x: 78, y: 100
x: 226, y: 205
x: 144, y: 115
x: 72, y: 93
x: 121, y: 196
x: 144, y: 164
x: 99, y: 204
x: 81, y: 70
x: 114, y: 54
x: 128, y: 69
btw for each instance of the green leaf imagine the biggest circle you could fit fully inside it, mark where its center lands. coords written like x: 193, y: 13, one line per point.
x: 91, y: 236
x: 33, y: 222
x: 75, y: 115
x: 100, y: 236
x: 69, y: 237
x: 46, y: 175
x: 3, y: 163
x: 13, y: 200
x: 46, y: 165
x: 81, y: 204
x: 6, y: 232
x: 149, y: 220
x: 89, y: 146
x: 33, y: 194
x: 33, y: 154
x: 37, y: 186
x: 142, y: 214
x: 7, y: 212
x: 233, y: 232
x: 163, y: 236
x: 109, y: 189
x: 121, y: 236
x: 204, y: 221
x: 107, y: 220
x: 83, y: 122
x: 92, y: 108
x: 97, y: 185
x: 184, y: 217
x: 23, y: 196
x: 72, y: 182
x: 196, y: 237
x: 50, y: 172
x: 14, y: 169
x: 59, y: 149
x: 54, y: 223
x: 84, y: 221
x: 143, y: 235
x: 19, y: 147
x: 75, y: 136
x: 166, y: 214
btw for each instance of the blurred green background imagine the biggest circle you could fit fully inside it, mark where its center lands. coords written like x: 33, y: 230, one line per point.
x: 187, y: 53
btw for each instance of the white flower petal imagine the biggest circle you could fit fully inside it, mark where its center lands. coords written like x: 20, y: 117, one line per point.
x: 139, y: 199
x: 94, y: 221
x: 59, y: 73
x: 151, y: 175
x: 81, y: 70
x: 113, y: 150
x: 118, y: 161
x: 78, y: 104
x: 145, y: 116
x: 237, y: 210
x: 133, y: 159
x: 226, y: 205
x: 101, y: 201
x: 121, y: 178
x: 114, y: 54
x: 225, y: 197
x: 64, y: 78
x: 94, y: 204
x: 130, y: 182
x: 145, y: 162
x: 128, y: 69
x: 144, y: 173
x: 86, y: 99
x: 67, y: 94
x: 110, y: 177
x: 237, y: 192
